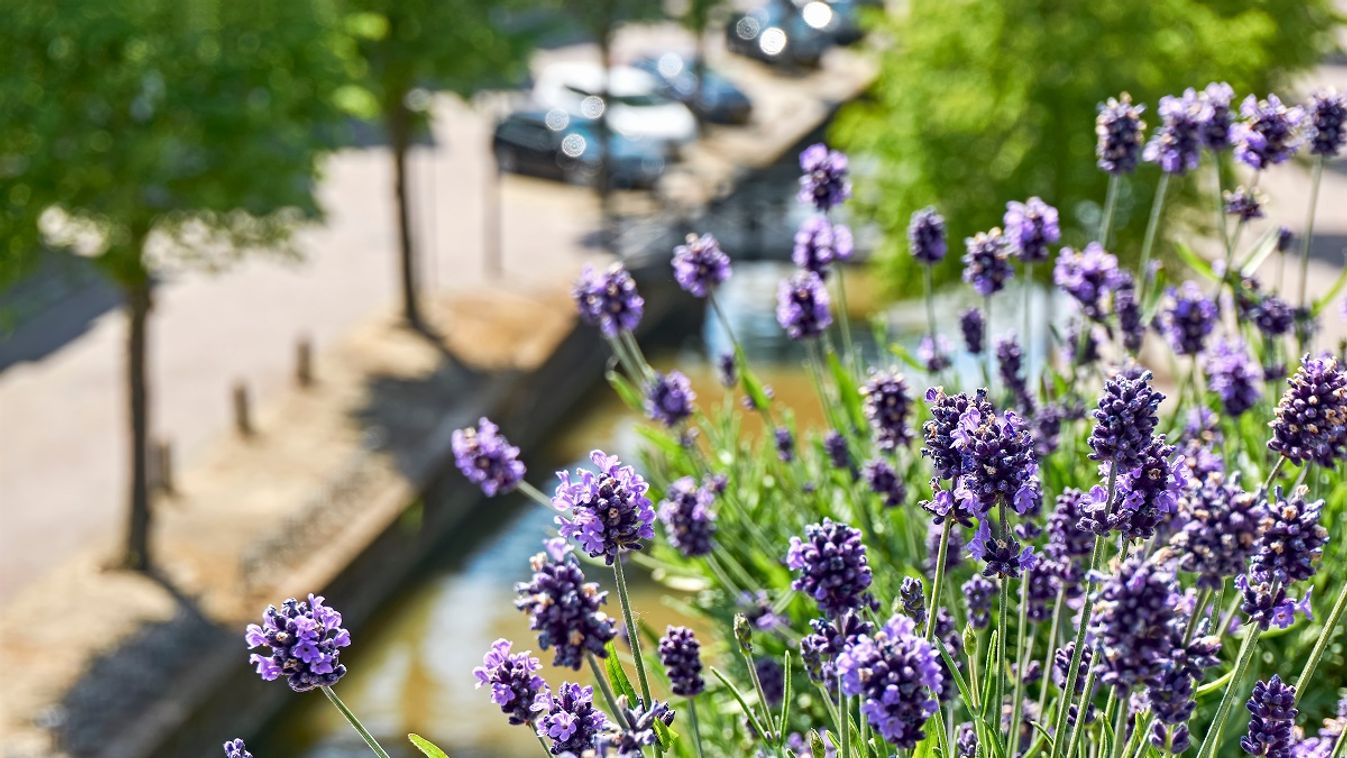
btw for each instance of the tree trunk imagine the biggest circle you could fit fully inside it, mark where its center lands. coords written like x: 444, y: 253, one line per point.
x: 399, y: 136
x: 137, y: 394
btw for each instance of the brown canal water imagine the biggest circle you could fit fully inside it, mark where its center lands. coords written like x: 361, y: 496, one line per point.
x: 411, y: 669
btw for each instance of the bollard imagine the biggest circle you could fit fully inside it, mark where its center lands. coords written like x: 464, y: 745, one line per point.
x: 242, y: 412
x: 304, y: 362
x: 163, y: 467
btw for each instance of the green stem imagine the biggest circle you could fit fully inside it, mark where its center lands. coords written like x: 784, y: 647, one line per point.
x: 767, y: 719
x: 1023, y: 641
x: 845, y: 322
x: 1325, y: 636
x: 1152, y: 225
x: 536, y: 495
x: 604, y: 687
x: 1110, y: 201
x: 1338, y: 748
x: 1028, y: 293
x: 844, y: 710
x: 1199, y: 606
x: 696, y: 728
x: 355, y: 723
x: 1246, y: 650
x: 1003, y: 595
x: 939, y: 577
x: 986, y: 341
x: 543, y: 743
x: 1051, y: 651
x: 1082, y: 710
x: 638, y: 357
x: 633, y: 633
x: 1118, y: 724
x: 1315, y: 176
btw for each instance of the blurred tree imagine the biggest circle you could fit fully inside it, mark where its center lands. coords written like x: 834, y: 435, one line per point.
x: 697, y: 18
x: 154, y: 134
x: 979, y: 103
x: 411, y: 46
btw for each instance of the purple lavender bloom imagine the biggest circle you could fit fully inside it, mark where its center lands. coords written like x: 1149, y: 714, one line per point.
x: 1273, y: 316
x: 1088, y: 276
x: 1010, y: 365
x: 1221, y: 528
x: 1125, y: 419
x: 1132, y: 622
x: 757, y: 608
x: 305, y: 641
x: 1243, y: 203
x: 953, y: 551
x: 608, y: 300
x: 700, y: 265
x: 1311, y: 419
x: 894, y: 671
x: 966, y: 743
x: 236, y: 749
x: 636, y: 730
x: 1284, y: 239
x: 563, y: 608
x: 1188, y: 317
x: 1272, y: 719
x: 802, y: 306
x: 1118, y: 129
x: 1266, y: 603
x: 820, y: 649
x: 772, y: 676
x: 947, y: 412
x: 1292, y: 538
x: 681, y: 655
x: 1080, y: 343
x: 606, y: 511
x: 887, y: 404
x: 934, y: 353
x: 1047, y: 429
x: 1031, y: 227
x: 688, y: 519
x: 824, y: 182
x: 487, y: 459
x: 514, y: 681
x: 568, y: 718
x: 835, y: 445
x: 1044, y: 578
x: 912, y: 596
x: 1233, y: 375
x: 885, y: 482
x: 726, y: 370
x: 1066, y: 540
x: 1147, y: 497
x: 1217, y: 118
x: 669, y: 398
x: 978, y: 592
x: 1003, y: 554
x: 831, y: 567
x: 1128, y: 309
x: 785, y: 444
x: 987, y: 262
x: 1268, y: 135
x: 819, y: 243
x: 973, y: 325
x: 926, y: 236
x: 1177, y: 144
x: 1327, y: 112
x: 999, y: 464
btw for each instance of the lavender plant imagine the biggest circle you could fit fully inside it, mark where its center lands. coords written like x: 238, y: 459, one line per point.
x: 1103, y: 559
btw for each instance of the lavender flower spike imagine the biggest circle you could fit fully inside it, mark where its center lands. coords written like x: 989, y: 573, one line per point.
x: 1292, y: 538
x: 824, y: 182
x: 1088, y: 276
x: 688, y: 518
x: 1125, y: 419
x: 1328, y: 112
x: 887, y: 404
x: 1272, y: 721
x: 700, y: 265
x: 236, y: 749
x: 831, y: 567
x: 1176, y: 145
x: 669, y: 398
x: 1133, y: 620
x: 1188, y: 317
x: 1119, y: 131
x: 1233, y: 375
x: 895, y: 671
x: 563, y: 608
x: 568, y: 717
x: 1216, y: 119
x: 606, y: 511
x: 972, y: 324
x: 1311, y: 418
x: 680, y: 653
x: 514, y: 681
x: 608, y: 300
x: 802, y: 306
x: 926, y: 236
x: 305, y: 641
x: 487, y: 459
x: 1031, y: 227
x: 819, y: 243
x: 1269, y: 133
x: 987, y: 262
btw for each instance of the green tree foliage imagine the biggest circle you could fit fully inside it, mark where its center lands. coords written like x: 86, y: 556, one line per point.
x: 462, y: 46
x: 151, y: 133
x: 978, y: 103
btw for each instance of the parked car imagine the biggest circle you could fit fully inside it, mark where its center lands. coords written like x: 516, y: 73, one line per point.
x: 557, y: 145
x: 716, y: 99
x: 845, y: 23
x: 635, y: 108
x: 779, y: 32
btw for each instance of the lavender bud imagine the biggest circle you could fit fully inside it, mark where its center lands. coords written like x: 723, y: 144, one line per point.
x: 304, y: 641
x: 680, y: 653
x: 563, y: 608
x: 926, y: 236
x: 1119, y: 131
x: 609, y: 512
x: 973, y: 325
x: 608, y: 300
x: 668, y: 398
x: 700, y: 265
x: 824, y: 182
x: 1327, y: 111
x: 1176, y: 145
x: 487, y: 459
x: 1031, y: 227
x: 831, y: 567
x: 1268, y: 135
x: 802, y: 306
x: 688, y: 519
x: 1125, y: 419
x: 987, y: 262
x: 1311, y: 418
x: 514, y: 681
x: 887, y: 402
x: 819, y: 243
x: 1272, y: 720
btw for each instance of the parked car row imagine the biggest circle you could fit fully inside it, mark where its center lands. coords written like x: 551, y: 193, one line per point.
x: 653, y: 105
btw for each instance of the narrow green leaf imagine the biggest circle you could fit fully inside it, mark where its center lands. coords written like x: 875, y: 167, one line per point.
x: 785, y: 700
x: 905, y: 356
x: 757, y: 727
x: 1259, y: 252
x: 617, y: 676
x: 968, y: 701
x: 1196, y: 262
x: 625, y: 391
x: 1332, y: 292
x: 426, y: 747
x: 1215, y: 685
x: 850, y: 394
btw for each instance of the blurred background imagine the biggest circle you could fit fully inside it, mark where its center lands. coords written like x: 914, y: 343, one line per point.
x: 258, y: 259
